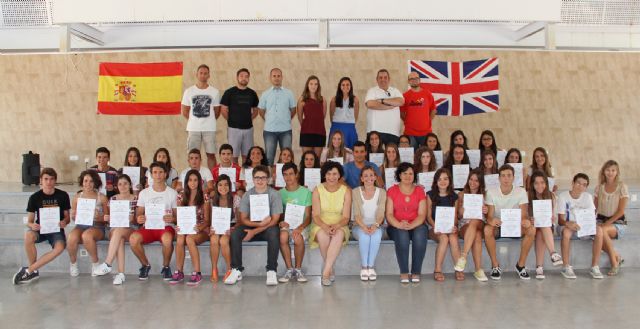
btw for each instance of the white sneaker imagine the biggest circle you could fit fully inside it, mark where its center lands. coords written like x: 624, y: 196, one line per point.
x: 568, y: 273
x: 540, y: 273
x: 73, y: 269
x: 288, y: 275
x: 460, y: 264
x: 556, y: 259
x: 234, y: 277
x: 372, y: 275
x: 100, y: 270
x: 272, y: 278
x: 118, y: 279
x: 595, y: 273
x: 364, y: 274
x: 94, y: 268
x: 480, y: 276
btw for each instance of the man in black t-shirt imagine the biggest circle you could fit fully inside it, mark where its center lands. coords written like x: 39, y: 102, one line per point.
x: 240, y: 107
x: 37, y: 209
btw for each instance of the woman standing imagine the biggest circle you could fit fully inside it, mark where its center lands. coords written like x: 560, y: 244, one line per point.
x: 311, y: 111
x: 343, y: 109
x: 331, y: 211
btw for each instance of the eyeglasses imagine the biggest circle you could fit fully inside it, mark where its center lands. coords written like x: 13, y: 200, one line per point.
x: 259, y: 177
x: 414, y: 79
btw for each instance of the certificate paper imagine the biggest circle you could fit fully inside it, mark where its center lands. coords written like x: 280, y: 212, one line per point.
x: 231, y: 172
x: 444, y: 219
x: 406, y: 154
x: 119, y: 211
x: 500, y: 157
x: 542, y: 213
x: 491, y: 181
x: 154, y: 213
x: 586, y: 219
x: 552, y: 183
x: 438, y: 155
x: 220, y: 219
x: 279, y: 177
x: 376, y: 158
x: 134, y: 174
x: 474, y: 158
x: 426, y: 180
x: 339, y: 160
x: 259, y: 207
x: 460, y: 175
x: 49, y: 219
x: 103, y: 178
x: 294, y: 215
x: 389, y: 177
x: 248, y: 178
x: 311, y: 177
x: 511, y: 223
x: 518, y: 180
x: 85, y: 211
x: 472, y: 206
x: 186, y: 220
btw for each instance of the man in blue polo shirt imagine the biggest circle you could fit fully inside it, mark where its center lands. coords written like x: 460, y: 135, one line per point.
x: 277, y: 106
x: 352, y: 169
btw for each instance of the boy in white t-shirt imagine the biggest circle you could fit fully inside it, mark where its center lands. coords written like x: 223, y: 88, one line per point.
x: 195, y: 162
x: 568, y: 203
x: 160, y: 193
x: 507, y: 196
x: 201, y: 108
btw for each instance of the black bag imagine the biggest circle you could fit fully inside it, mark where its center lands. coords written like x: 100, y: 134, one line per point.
x: 30, y: 168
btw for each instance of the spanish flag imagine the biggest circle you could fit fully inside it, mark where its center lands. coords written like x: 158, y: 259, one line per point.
x: 140, y: 88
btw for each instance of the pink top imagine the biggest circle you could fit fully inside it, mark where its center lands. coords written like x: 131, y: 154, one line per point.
x: 405, y: 207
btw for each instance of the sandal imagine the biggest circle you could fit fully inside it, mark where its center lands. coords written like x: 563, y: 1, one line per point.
x: 214, y: 275
x: 438, y: 276
x: 459, y: 276
x: 415, y: 278
x: 614, y: 271
x: 404, y: 279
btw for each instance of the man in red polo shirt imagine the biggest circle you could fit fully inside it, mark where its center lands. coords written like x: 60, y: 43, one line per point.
x: 418, y: 111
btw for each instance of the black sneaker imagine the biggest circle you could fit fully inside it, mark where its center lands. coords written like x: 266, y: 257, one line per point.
x: 522, y: 273
x: 23, y: 277
x: 496, y: 273
x: 144, y: 272
x: 166, y: 273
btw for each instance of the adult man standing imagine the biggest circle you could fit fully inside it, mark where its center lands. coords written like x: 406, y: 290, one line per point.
x: 352, y: 169
x: 383, y: 112
x: 239, y: 106
x: 51, y: 198
x: 277, y: 107
x: 418, y: 111
x: 198, y: 102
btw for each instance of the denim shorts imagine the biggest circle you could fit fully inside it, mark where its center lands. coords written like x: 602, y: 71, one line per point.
x: 52, y: 238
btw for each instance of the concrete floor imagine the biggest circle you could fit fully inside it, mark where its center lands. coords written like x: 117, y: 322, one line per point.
x: 58, y: 301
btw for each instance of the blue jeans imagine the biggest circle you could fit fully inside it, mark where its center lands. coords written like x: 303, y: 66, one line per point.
x: 369, y: 245
x: 417, y: 141
x: 401, y: 238
x: 271, y: 141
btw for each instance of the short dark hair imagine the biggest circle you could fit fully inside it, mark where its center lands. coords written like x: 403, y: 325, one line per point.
x: 50, y: 172
x: 262, y: 168
x: 242, y: 70
x: 402, y: 168
x: 382, y: 71
x: 327, y: 166
x: 103, y: 149
x: 360, y: 144
x: 504, y: 167
x: 97, y: 182
x: 203, y: 66
x: 159, y: 165
x: 581, y: 175
x: 195, y: 151
x: 225, y: 147
x: 290, y: 165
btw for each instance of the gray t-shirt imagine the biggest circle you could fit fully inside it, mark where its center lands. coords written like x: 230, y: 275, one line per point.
x: 275, y: 201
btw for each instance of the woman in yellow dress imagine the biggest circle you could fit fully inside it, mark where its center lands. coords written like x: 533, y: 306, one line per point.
x: 331, y: 212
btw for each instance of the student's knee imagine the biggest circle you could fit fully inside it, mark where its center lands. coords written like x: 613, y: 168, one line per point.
x: 30, y: 237
x: 58, y: 248
x: 284, y: 238
x: 488, y: 232
x: 529, y: 232
x: 599, y: 231
x: 87, y: 237
x: 214, y: 240
x: 298, y: 240
x: 135, y: 239
x: 167, y: 239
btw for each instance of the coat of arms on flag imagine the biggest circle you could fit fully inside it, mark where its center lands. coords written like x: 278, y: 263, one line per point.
x: 460, y: 88
x: 140, y: 88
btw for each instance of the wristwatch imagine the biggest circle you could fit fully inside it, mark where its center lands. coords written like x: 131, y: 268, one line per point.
x: 382, y: 102
x: 377, y: 225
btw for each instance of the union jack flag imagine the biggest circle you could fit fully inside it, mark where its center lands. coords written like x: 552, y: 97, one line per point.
x: 460, y: 88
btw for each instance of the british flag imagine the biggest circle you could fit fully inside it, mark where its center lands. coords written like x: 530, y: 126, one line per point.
x: 460, y: 88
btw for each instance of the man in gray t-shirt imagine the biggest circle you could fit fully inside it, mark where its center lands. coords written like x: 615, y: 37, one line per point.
x: 261, y: 229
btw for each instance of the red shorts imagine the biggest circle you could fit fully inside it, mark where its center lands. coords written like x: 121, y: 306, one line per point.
x: 149, y: 236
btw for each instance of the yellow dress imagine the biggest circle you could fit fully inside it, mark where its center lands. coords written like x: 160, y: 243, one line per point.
x: 331, y: 205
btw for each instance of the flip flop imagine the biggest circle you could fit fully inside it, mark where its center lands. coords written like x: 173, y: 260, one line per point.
x: 438, y: 276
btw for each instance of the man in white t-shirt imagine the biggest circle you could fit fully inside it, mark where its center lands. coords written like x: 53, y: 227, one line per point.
x: 508, y: 196
x: 568, y: 203
x: 158, y: 194
x: 198, y: 103
x: 195, y: 162
x: 383, y: 109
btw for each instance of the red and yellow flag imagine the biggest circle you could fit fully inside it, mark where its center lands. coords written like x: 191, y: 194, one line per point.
x: 140, y: 88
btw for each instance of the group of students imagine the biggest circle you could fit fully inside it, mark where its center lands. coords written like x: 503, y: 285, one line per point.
x: 333, y: 192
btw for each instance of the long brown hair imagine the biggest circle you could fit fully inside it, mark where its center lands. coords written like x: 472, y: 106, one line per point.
x: 434, y: 185
x: 546, y: 167
x: 418, y: 160
x: 546, y: 194
x: 486, y: 153
x: 480, y: 176
x: 385, y: 162
x: 199, y: 198
x: 342, y: 152
x: 606, y: 165
x: 306, y: 94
